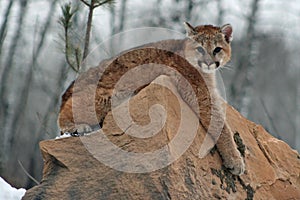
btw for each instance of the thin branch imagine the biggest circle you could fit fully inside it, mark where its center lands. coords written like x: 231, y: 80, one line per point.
x: 86, y: 3
x: 24, y: 170
x: 101, y: 3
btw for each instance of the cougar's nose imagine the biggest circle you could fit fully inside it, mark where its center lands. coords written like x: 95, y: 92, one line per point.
x: 207, y: 60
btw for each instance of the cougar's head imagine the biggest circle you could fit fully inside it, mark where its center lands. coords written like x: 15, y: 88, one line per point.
x: 207, y: 46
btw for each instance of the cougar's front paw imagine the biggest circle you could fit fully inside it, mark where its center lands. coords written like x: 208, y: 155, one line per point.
x: 81, y: 129
x: 235, y: 165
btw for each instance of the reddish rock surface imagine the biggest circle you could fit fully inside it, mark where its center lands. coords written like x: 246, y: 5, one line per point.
x: 73, y: 172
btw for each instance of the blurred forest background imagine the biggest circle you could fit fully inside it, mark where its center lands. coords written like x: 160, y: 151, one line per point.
x: 262, y: 81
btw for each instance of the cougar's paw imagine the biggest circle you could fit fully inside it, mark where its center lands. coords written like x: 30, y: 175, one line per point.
x: 81, y: 129
x: 235, y: 165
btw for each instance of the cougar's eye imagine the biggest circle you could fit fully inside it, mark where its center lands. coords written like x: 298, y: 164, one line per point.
x: 200, y: 50
x: 217, y: 50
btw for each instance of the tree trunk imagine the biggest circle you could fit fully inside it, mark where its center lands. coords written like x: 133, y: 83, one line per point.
x: 240, y: 93
x: 8, y: 66
x: 122, y: 16
x: 3, y: 27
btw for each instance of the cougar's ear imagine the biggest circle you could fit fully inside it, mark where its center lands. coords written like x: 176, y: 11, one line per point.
x: 190, y: 30
x: 227, y: 31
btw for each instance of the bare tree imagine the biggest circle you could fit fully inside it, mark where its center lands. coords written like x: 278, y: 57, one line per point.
x: 240, y: 92
x: 8, y: 66
x: 189, y: 9
x: 112, y: 20
x: 221, y: 12
x: 33, y: 168
x: 19, y: 120
x: 22, y: 101
x: 3, y: 30
x: 297, y: 100
x: 3, y: 27
x: 122, y: 16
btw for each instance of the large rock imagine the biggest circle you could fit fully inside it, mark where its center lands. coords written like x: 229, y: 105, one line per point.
x: 89, y: 167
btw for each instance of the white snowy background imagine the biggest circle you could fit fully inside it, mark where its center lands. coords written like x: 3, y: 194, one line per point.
x: 7, y: 192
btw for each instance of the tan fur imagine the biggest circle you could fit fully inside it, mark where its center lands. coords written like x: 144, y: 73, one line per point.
x: 205, y: 49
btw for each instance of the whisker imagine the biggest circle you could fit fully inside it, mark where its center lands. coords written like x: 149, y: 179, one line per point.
x: 227, y: 67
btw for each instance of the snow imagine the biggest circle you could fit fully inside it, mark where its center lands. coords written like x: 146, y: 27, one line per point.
x: 8, y: 192
x: 65, y: 135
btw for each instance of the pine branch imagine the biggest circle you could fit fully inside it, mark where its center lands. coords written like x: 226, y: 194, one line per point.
x: 66, y: 22
x: 73, y: 56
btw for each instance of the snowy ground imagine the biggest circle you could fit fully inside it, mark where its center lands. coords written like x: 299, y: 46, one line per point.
x: 8, y: 192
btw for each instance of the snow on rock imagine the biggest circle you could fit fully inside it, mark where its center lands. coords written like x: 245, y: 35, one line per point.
x: 63, y: 136
x: 7, y: 192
